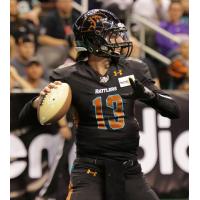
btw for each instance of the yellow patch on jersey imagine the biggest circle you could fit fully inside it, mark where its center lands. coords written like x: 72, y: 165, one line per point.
x: 118, y: 73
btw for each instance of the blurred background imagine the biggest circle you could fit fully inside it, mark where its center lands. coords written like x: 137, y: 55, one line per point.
x: 41, y: 39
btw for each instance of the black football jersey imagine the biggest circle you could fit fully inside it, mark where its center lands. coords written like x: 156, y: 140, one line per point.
x: 107, y: 125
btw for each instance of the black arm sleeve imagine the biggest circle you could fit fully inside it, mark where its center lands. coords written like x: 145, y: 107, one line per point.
x: 28, y: 114
x: 162, y: 102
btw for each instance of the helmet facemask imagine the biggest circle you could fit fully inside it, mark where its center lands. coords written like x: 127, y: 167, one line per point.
x: 117, y: 43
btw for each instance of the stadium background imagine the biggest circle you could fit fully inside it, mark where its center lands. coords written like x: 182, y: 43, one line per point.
x: 38, y: 44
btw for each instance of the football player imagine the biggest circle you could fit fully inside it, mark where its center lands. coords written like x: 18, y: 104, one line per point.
x: 105, y: 84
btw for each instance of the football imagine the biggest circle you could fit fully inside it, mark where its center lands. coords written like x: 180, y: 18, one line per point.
x: 54, y: 105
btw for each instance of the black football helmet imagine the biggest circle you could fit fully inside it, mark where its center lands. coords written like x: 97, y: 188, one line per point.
x: 100, y: 32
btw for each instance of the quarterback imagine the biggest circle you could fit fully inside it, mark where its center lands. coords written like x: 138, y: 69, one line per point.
x: 105, y: 84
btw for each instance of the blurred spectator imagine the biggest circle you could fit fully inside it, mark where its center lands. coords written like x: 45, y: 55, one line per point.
x: 58, y: 24
x: 13, y: 10
x: 18, y: 82
x: 175, y: 26
x: 12, y: 47
x: 25, y: 51
x: 123, y: 4
x: 29, y: 10
x: 154, y: 10
x: 19, y: 26
x: 56, y: 34
x: 179, y: 68
x: 94, y: 4
x: 122, y: 9
x: 185, y: 5
x: 34, y: 73
x: 115, y: 8
x: 47, y: 5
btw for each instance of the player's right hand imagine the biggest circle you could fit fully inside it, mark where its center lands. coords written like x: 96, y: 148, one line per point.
x: 45, y: 91
x: 141, y: 92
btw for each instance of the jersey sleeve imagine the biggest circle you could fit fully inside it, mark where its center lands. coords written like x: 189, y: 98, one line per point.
x: 163, y: 102
x: 59, y: 74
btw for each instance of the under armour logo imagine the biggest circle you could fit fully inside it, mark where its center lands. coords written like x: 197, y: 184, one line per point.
x: 93, y: 173
x: 119, y: 72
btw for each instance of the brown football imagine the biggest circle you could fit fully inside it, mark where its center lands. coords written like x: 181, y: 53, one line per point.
x: 54, y: 105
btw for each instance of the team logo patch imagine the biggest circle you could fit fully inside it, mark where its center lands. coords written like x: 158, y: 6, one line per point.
x: 104, y: 79
x: 124, y: 81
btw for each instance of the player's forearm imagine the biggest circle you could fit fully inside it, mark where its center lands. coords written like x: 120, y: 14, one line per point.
x: 28, y: 114
x: 48, y: 40
x: 165, y: 105
x: 160, y: 101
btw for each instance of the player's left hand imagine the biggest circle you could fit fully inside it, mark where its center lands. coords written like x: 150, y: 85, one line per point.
x: 141, y: 92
